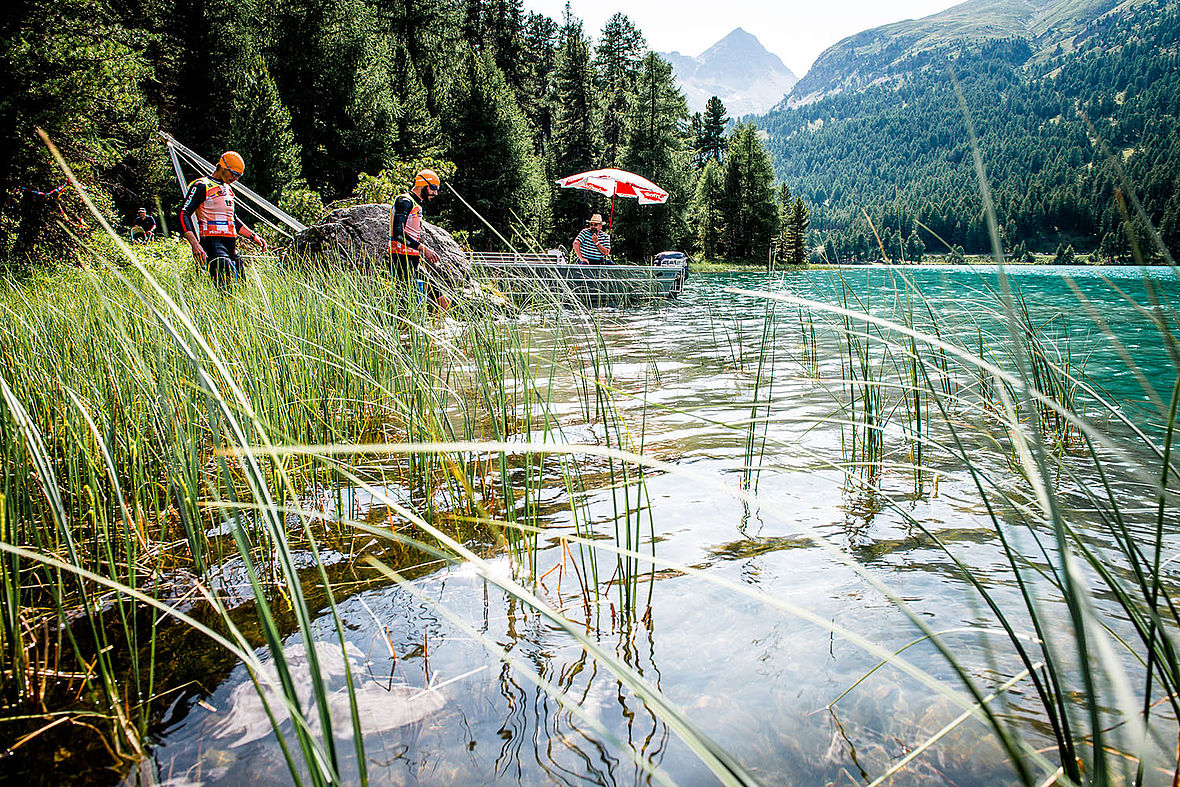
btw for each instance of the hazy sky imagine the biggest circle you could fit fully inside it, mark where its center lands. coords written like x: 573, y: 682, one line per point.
x: 795, y: 31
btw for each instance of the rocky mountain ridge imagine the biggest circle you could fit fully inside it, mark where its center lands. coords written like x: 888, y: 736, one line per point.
x: 891, y: 51
x: 738, y: 70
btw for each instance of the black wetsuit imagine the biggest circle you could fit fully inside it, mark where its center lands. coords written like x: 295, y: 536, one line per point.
x: 403, y: 266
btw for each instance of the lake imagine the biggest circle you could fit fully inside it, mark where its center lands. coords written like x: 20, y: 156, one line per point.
x: 794, y: 552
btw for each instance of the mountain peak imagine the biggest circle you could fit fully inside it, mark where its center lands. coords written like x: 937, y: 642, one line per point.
x: 738, y: 70
x: 737, y: 40
x: 739, y: 34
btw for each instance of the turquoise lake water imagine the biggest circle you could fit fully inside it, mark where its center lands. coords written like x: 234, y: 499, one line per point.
x: 789, y: 688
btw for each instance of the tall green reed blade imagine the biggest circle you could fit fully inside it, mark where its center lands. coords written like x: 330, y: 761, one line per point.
x: 755, y: 448
x: 1039, y: 474
x: 129, y: 627
x: 913, y: 395
x: 324, y: 771
x: 865, y: 393
x: 808, y: 343
x: 47, y: 479
x: 1170, y: 687
x: 16, y: 688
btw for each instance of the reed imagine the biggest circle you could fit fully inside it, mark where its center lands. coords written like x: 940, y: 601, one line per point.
x: 759, y: 418
x: 862, y: 366
x: 153, y: 425
x: 114, y: 408
x: 1079, y: 680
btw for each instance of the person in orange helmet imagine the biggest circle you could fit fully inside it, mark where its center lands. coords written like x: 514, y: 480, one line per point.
x: 210, y: 201
x: 405, y: 226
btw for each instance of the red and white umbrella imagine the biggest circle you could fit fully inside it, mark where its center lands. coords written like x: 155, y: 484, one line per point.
x: 611, y: 182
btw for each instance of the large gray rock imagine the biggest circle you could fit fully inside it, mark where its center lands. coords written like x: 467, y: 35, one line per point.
x: 360, y: 236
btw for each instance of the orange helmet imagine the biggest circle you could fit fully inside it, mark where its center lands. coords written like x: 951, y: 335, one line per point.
x: 232, y: 162
x: 426, y: 177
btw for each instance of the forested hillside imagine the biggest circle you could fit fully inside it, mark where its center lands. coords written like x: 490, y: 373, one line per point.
x: 886, y: 134
x: 327, y: 99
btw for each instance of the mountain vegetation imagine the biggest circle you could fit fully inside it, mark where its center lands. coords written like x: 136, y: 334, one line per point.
x: 332, y: 99
x: 1075, y: 104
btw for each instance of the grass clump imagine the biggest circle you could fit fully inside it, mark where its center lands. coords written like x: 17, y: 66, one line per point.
x: 141, y: 405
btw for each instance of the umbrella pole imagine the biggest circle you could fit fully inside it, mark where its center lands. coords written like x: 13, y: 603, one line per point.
x: 611, y: 225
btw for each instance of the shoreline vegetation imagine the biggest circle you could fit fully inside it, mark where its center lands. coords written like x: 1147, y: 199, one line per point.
x: 564, y: 100
x: 162, y: 436
x: 196, y: 478
x: 731, y: 266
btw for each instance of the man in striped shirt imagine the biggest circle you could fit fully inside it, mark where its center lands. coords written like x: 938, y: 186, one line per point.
x: 592, y: 246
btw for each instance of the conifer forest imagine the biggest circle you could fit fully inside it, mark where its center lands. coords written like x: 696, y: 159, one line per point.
x: 324, y: 97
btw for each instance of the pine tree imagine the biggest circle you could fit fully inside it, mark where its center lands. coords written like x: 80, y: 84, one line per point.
x: 708, y: 215
x: 800, y: 221
x: 539, y: 56
x: 504, y: 35
x: 751, y: 214
x: 710, y: 139
x: 260, y: 129
x: 577, y: 142
x: 915, y: 247
x: 831, y: 256
x: 696, y: 130
x: 657, y: 148
x: 496, y: 170
x: 860, y: 247
x: 332, y: 64
x: 473, y: 25
x: 416, y: 132
x: 617, y: 60
x: 231, y: 100
x: 69, y: 70
x: 430, y: 31
x: 782, y: 239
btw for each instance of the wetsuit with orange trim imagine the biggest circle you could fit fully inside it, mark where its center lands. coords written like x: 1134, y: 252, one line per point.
x: 405, y: 236
x: 211, y: 203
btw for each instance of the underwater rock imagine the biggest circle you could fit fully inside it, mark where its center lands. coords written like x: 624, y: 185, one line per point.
x: 359, y: 236
x: 380, y: 706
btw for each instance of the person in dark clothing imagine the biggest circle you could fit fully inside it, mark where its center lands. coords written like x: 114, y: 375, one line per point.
x: 143, y: 227
x: 210, y: 201
x: 405, y: 227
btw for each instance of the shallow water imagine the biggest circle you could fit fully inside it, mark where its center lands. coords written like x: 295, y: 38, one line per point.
x: 757, y: 679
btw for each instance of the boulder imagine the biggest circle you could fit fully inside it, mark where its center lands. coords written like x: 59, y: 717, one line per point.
x: 359, y: 235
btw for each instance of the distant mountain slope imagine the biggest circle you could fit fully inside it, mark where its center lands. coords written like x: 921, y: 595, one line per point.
x: 738, y: 70
x: 886, y: 52
x: 878, y: 127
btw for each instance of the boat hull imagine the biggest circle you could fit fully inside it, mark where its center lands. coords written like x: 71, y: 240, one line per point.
x: 593, y: 285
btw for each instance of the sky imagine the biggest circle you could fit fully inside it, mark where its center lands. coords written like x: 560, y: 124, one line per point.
x: 795, y: 31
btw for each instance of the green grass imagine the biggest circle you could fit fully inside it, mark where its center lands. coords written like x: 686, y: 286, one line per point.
x: 155, y: 425
x: 142, y: 411
x: 1087, y: 681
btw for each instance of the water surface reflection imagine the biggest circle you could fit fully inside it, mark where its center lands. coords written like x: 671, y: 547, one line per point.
x: 762, y: 683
